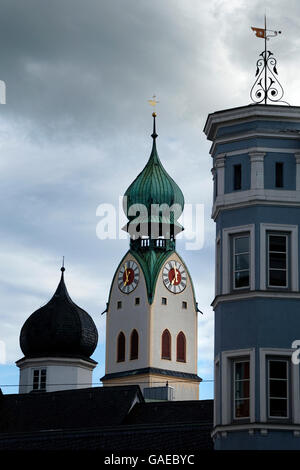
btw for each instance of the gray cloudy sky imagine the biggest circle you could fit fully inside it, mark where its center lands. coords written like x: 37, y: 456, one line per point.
x: 76, y: 129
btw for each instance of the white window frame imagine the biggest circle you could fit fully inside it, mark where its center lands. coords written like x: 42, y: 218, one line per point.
x: 287, y: 362
x: 292, y: 230
x: 270, y: 353
x: 278, y: 234
x: 226, y: 257
x: 39, y: 369
x: 226, y: 379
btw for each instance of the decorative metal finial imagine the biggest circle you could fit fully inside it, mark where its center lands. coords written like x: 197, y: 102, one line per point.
x: 63, y: 265
x: 266, y: 86
x: 153, y: 103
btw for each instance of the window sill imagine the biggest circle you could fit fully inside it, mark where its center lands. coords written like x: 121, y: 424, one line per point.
x: 241, y: 420
x: 278, y: 289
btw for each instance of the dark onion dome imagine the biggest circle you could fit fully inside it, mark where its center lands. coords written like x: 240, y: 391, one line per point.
x: 154, y: 186
x: 59, y: 328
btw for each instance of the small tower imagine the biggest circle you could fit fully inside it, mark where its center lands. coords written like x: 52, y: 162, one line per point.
x: 151, y: 328
x: 57, y: 341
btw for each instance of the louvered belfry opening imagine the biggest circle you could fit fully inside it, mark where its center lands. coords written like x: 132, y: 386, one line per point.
x: 166, y: 345
x: 121, y: 347
x: 181, y: 347
x: 134, y: 345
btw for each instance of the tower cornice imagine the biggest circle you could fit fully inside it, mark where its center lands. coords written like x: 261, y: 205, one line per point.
x: 248, y: 112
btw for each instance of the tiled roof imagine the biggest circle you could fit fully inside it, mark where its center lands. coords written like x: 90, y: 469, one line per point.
x: 59, y: 328
x: 172, y: 412
x: 85, y: 408
x: 106, y: 419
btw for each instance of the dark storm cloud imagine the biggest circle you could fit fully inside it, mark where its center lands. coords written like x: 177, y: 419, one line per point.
x: 70, y: 65
x: 76, y: 131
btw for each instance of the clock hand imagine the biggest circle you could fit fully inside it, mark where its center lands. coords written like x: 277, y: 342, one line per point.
x: 175, y: 277
x: 125, y: 272
x: 127, y: 275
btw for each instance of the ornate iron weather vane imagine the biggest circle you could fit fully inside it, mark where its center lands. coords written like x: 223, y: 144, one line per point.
x: 266, y: 86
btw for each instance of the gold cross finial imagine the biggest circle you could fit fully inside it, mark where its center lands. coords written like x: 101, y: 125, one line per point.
x: 153, y: 101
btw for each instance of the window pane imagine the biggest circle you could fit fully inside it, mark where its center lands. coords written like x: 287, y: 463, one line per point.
x: 277, y: 243
x: 121, y: 348
x: 278, y: 260
x: 180, y: 347
x: 242, y: 279
x: 43, y: 379
x: 36, y: 374
x: 242, y: 370
x: 166, y: 345
x: 242, y: 389
x: 277, y: 278
x: 241, y: 262
x: 278, y: 408
x: 279, y: 175
x: 242, y: 408
x: 237, y: 176
x: 278, y: 369
x: 278, y: 388
x: 134, y: 345
x: 241, y: 245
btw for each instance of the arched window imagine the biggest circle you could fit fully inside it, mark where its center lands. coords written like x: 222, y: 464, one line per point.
x: 181, y: 347
x: 134, y: 345
x: 121, y: 347
x: 166, y: 345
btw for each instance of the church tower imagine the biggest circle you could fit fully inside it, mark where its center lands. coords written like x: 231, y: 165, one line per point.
x: 151, y: 326
x: 256, y: 168
x: 57, y: 341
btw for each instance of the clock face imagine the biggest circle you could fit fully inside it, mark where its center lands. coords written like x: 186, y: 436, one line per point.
x: 174, y: 276
x: 128, y: 277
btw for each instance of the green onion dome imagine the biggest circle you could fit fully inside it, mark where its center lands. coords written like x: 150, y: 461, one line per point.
x: 154, y: 186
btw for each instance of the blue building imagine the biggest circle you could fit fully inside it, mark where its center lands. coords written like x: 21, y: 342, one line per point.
x: 256, y: 172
